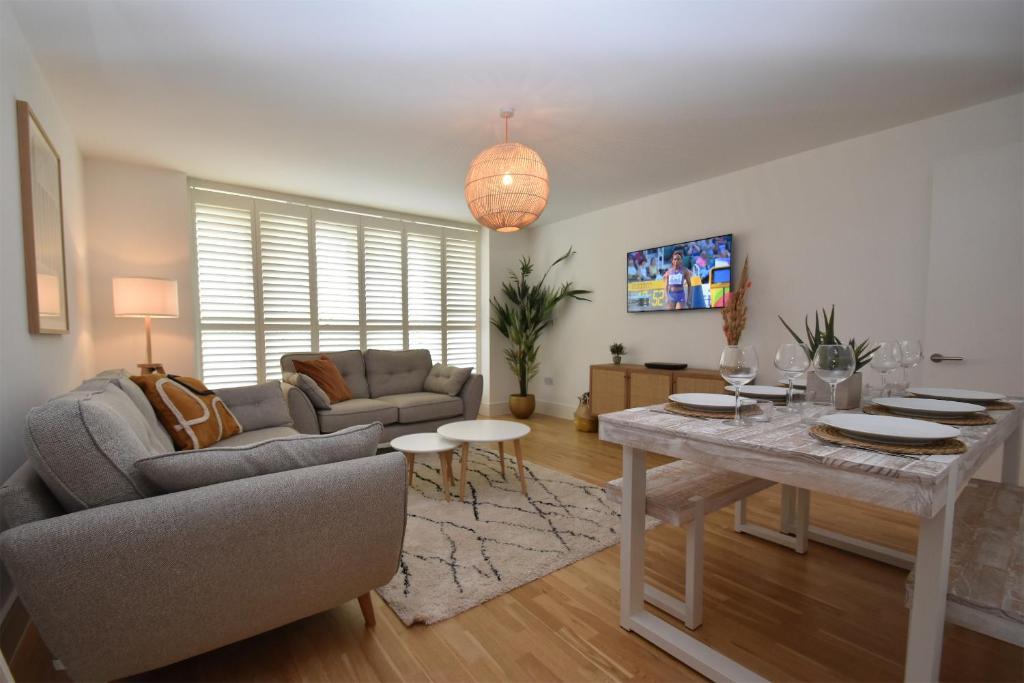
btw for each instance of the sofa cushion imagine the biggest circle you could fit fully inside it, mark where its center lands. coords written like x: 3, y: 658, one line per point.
x: 358, y: 411
x: 256, y: 436
x: 446, y: 379
x: 396, y: 372
x: 84, y: 445
x: 24, y: 498
x: 257, y: 406
x: 327, y: 376
x: 192, y: 469
x: 349, y: 364
x: 159, y: 440
x: 194, y: 416
x: 310, y: 388
x: 421, y: 406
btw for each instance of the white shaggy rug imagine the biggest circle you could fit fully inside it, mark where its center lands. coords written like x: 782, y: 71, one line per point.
x: 460, y: 554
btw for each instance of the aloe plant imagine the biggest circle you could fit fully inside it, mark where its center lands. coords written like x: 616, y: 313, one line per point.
x: 529, y: 309
x: 827, y: 335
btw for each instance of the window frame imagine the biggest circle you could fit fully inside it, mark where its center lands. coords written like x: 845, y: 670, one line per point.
x: 256, y: 201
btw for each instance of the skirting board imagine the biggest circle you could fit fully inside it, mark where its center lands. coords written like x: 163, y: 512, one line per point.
x: 543, y: 408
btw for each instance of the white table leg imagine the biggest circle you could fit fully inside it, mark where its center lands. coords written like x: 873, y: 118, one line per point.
x: 931, y: 576
x: 631, y: 552
x: 787, y: 509
x: 1011, y: 457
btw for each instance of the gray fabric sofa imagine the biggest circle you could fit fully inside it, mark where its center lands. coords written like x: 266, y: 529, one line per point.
x: 120, y: 578
x: 387, y: 387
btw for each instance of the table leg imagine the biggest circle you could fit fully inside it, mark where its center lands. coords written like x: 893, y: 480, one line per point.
x: 463, y: 470
x: 501, y: 457
x: 931, y: 576
x: 787, y: 509
x: 631, y: 552
x: 410, y: 459
x: 1011, y: 457
x: 519, y: 462
x: 446, y: 473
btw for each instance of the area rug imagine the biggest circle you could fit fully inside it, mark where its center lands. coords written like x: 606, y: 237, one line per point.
x: 459, y: 554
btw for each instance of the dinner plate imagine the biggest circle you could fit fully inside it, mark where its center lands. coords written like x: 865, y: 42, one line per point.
x: 928, y: 406
x: 890, y: 429
x: 956, y: 394
x: 759, y: 391
x: 710, y: 401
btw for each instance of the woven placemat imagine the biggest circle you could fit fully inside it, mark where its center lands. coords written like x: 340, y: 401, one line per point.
x: 999, y: 405
x: 686, y: 411
x: 834, y: 436
x: 975, y: 420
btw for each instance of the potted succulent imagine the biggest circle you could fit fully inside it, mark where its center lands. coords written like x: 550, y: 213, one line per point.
x: 618, y: 351
x: 848, y: 393
x: 528, y: 309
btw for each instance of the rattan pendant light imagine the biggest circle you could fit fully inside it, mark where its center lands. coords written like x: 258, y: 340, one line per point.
x: 507, y: 185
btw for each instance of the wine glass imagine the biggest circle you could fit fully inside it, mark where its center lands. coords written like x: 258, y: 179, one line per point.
x: 834, y: 363
x: 738, y: 366
x: 887, y: 357
x: 912, y: 354
x: 792, y: 361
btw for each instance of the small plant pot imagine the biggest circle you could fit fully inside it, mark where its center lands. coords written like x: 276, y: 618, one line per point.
x: 617, y: 359
x: 522, y: 405
x: 848, y: 392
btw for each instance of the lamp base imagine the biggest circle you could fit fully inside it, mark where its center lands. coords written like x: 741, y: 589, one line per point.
x: 151, y: 368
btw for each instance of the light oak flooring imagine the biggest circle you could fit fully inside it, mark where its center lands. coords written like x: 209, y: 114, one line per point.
x: 825, y: 616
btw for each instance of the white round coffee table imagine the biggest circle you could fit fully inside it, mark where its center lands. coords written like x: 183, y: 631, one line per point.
x: 415, y: 444
x: 486, y: 431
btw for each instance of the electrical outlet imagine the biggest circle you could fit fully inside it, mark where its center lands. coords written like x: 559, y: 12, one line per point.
x: 549, y: 381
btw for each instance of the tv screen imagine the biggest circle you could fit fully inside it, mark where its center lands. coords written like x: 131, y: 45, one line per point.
x: 679, y: 277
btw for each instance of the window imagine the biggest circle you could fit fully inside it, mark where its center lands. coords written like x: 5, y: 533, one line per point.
x: 276, y: 276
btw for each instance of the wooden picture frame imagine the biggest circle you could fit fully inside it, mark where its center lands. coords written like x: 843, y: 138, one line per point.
x: 42, y: 222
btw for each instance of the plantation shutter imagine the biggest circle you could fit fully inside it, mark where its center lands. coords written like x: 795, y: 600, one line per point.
x: 285, y: 283
x: 461, y: 305
x: 424, y: 277
x: 227, y: 301
x: 337, y: 281
x: 383, y: 284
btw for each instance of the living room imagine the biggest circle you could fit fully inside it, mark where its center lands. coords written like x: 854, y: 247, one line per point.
x: 281, y: 190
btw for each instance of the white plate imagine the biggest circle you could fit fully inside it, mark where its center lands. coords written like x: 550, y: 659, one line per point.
x: 759, y: 391
x: 710, y: 401
x: 890, y: 429
x: 956, y: 394
x: 928, y: 406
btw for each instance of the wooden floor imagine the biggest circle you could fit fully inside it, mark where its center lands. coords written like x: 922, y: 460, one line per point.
x: 824, y: 616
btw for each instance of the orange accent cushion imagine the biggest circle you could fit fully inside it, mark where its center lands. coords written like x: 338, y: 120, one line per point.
x: 192, y: 414
x: 326, y: 375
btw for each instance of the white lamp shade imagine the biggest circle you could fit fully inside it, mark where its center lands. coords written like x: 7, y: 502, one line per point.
x: 140, y: 297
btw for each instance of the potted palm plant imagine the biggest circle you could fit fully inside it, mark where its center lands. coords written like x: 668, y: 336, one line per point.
x: 618, y: 350
x: 528, y: 309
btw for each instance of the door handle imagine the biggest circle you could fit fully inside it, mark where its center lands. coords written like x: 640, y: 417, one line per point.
x: 938, y: 358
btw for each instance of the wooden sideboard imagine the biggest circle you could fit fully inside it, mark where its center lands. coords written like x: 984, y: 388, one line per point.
x: 617, y: 387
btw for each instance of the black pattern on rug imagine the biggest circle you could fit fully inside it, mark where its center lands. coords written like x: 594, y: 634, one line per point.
x: 460, y: 554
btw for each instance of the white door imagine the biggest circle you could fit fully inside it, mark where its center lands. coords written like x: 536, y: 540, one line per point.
x: 975, y: 303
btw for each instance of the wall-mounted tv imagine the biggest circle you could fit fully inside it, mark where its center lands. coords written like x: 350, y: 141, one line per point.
x: 679, y: 277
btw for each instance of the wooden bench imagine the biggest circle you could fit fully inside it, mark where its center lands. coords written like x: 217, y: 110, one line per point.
x: 682, y: 493
x: 986, y: 566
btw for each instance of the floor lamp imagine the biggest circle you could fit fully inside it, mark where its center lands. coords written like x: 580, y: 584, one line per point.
x: 148, y: 298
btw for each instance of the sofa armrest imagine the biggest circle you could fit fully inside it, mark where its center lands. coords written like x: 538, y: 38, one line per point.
x: 301, y: 409
x: 471, y: 394
x: 125, y: 588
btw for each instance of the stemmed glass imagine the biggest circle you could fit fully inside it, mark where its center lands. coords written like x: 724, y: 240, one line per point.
x: 792, y: 361
x: 912, y: 354
x: 834, y: 363
x: 887, y: 357
x: 738, y: 366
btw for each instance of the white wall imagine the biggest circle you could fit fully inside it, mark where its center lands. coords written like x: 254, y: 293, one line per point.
x: 846, y: 224
x: 140, y: 226
x: 501, y: 253
x: 34, y: 368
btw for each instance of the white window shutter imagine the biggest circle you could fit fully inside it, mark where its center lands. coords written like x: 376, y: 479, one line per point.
x: 461, y: 304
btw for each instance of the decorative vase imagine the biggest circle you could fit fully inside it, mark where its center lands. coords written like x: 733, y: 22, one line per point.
x: 617, y: 359
x: 584, y: 417
x: 848, y: 392
x: 522, y: 405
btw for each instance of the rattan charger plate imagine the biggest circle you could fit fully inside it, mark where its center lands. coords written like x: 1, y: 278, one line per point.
x: 834, y: 436
x: 999, y: 405
x: 975, y: 420
x: 686, y: 411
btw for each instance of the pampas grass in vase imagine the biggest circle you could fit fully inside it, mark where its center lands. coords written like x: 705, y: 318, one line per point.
x: 734, y: 313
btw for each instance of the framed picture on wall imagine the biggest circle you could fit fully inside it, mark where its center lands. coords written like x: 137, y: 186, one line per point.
x: 42, y: 220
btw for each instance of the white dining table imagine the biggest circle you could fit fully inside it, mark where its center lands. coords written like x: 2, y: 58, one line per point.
x: 784, y: 451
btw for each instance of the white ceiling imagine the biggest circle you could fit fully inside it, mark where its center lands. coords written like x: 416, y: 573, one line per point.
x: 384, y: 104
